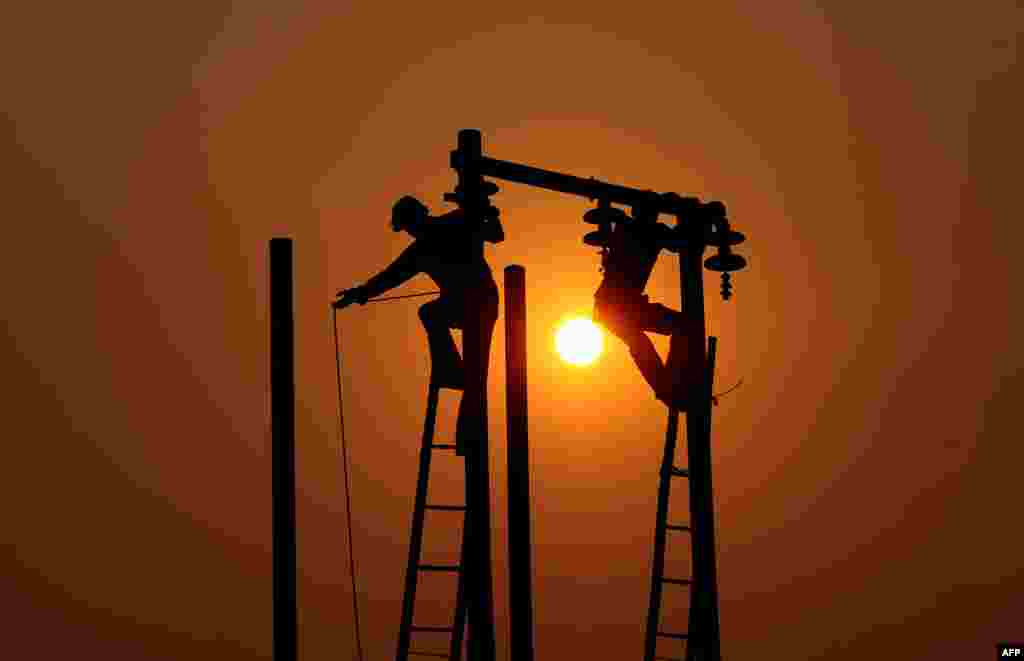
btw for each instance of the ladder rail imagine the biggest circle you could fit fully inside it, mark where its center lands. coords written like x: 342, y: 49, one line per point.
x: 661, y: 527
x: 419, y: 510
x: 660, y: 533
x: 459, y: 625
x: 414, y: 567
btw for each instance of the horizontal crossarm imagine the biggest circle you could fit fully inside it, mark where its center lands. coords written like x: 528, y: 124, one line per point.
x: 563, y: 183
x: 591, y: 188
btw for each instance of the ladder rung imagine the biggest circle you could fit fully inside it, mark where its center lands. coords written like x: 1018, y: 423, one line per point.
x: 682, y: 528
x: 677, y: 581
x: 438, y: 567
x: 440, y: 655
x: 443, y: 446
x: 433, y: 629
x: 447, y: 508
x: 680, y: 472
x: 678, y: 636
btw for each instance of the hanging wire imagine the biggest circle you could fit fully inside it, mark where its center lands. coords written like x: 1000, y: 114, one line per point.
x: 714, y: 398
x: 395, y: 298
x: 348, y: 491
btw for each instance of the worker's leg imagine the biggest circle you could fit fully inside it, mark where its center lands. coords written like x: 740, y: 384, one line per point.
x: 681, y: 370
x: 656, y: 318
x: 446, y: 368
x: 647, y: 360
x: 477, y: 333
x: 626, y: 323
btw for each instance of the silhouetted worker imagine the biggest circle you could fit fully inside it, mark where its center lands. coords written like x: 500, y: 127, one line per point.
x: 450, y: 249
x: 631, y: 250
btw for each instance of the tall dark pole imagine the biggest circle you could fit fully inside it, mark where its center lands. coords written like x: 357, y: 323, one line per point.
x: 704, y: 643
x: 282, y: 412
x: 519, y: 571
x: 479, y: 584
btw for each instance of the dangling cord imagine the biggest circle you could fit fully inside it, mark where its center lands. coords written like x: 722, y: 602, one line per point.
x: 714, y: 398
x: 348, y: 491
x: 395, y: 298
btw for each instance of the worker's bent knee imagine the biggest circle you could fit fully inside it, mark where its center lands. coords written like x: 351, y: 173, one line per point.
x: 428, y: 312
x: 639, y: 345
x: 615, y: 321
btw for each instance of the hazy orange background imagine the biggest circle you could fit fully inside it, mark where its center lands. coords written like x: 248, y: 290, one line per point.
x: 867, y: 473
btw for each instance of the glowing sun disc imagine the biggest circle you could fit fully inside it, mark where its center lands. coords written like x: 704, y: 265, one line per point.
x: 578, y: 341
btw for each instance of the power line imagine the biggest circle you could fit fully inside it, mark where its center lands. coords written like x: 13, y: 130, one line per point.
x: 348, y: 491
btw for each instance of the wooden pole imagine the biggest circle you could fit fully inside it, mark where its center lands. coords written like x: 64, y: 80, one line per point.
x: 282, y: 406
x: 704, y: 643
x: 479, y: 585
x: 519, y: 561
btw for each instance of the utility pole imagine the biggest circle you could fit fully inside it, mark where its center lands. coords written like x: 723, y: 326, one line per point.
x: 520, y: 576
x: 282, y: 413
x: 472, y: 197
x: 704, y: 643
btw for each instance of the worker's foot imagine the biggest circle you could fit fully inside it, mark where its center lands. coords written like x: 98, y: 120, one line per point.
x: 470, y: 430
x: 461, y: 442
x: 679, y: 403
x: 452, y: 383
x: 453, y: 377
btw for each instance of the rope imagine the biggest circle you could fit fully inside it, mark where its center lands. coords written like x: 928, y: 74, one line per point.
x: 394, y: 298
x: 714, y: 398
x: 348, y: 500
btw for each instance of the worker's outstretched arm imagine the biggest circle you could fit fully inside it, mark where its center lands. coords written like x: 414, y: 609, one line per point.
x: 398, y: 272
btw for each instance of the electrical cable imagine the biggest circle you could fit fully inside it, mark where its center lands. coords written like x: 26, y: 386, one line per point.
x: 394, y: 298
x: 348, y: 498
x: 714, y: 398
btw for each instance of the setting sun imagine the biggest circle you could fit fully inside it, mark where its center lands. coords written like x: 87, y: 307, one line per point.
x: 578, y: 341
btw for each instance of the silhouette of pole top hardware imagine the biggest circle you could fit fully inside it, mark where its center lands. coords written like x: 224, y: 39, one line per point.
x: 590, y: 188
x: 707, y: 223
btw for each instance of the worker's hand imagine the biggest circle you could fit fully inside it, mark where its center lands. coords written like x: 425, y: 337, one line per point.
x: 347, y: 297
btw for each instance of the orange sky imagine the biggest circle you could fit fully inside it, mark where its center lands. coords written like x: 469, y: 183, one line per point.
x: 864, y: 473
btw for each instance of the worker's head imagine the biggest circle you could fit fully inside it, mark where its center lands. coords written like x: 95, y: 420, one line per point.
x: 408, y: 214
